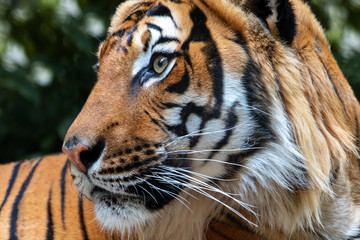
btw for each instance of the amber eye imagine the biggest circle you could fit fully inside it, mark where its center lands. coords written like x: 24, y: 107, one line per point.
x: 160, y: 64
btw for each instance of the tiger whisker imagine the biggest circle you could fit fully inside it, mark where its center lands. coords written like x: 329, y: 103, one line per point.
x: 148, y: 193
x: 212, y: 150
x: 144, y: 180
x: 205, y: 176
x: 212, y: 188
x: 200, y: 132
x: 205, y: 185
x: 177, y: 175
x: 177, y: 197
x: 250, y: 108
x: 166, y: 181
x: 211, y: 160
x: 224, y: 204
x: 203, y: 192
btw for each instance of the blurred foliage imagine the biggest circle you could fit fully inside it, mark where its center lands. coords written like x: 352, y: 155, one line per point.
x: 47, y: 49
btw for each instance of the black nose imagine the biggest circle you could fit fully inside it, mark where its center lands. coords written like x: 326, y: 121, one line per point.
x: 81, y: 154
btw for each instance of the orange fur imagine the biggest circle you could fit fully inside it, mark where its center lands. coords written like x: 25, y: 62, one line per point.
x: 44, y: 188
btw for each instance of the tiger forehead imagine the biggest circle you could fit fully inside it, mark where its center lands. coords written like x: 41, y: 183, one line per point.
x: 121, y: 36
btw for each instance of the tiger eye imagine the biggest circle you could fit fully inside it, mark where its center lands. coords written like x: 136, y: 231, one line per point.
x: 160, y: 64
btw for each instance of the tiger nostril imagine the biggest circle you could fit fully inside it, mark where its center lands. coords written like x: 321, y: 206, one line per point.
x: 88, y: 157
x: 81, y: 155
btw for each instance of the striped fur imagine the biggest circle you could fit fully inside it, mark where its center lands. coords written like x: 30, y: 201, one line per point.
x: 39, y: 201
x: 250, y: 131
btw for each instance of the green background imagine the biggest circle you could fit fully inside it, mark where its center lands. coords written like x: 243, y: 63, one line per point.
x: 47, y: 50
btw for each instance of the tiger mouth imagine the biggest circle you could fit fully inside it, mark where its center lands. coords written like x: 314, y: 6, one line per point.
x: 110, y: 199
x: 152, y: 194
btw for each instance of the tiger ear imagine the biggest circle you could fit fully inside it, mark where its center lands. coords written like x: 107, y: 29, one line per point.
x: 280, y: 12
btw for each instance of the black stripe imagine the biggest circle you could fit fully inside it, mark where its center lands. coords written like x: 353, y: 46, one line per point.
x: 82, y: 220
x: 166, y: 40
x: 258, y: 99
x: 153, y: 26
x: 334, y: 172
x: 356, y: 237
x: 50, y: 223
x: 137, y: 14
x: 261, y: 9
x: 123, y: 48
x: 170, y: 105
x: 143, y: 4
x: 159, y: 10
x: 156, y: 122
x: 181, y: 86
x: 239, y: 224
x: 163, y: 40
x: 159, y: 198
x: 138, y: 80
x: 239, y: 40
x: 256, y: 96
x: 157, y: 113
x: 14, y: 174
x: 286, y: 22
x: 15, y: 207
x: 357, y: 133
x: 230, y: 123
x: 223, y: 237
x: 120, y: 33
x: 180, y: 129
x: 62, y: 191
x: 146, y: 44
x: 333, y: 85
x: 201, y: 33
x: 130, y: 35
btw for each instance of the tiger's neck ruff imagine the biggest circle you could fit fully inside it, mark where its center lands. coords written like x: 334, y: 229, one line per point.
x: 209, y: 110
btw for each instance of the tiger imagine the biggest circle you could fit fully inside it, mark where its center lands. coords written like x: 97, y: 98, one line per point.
x: 210, y: 119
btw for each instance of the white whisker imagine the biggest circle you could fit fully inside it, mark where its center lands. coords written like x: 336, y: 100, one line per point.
x: 212, y: 188
x: 177, y: 197
x: 203, y: 132
x: 148, y: 193
x: 209, y: 160
x: 203, y: 192
x: 165, y: 181
x: 202, y: 188
x: 205, y: 151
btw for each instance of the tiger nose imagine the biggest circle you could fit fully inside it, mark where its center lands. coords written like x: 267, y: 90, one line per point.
x: 82, y: 155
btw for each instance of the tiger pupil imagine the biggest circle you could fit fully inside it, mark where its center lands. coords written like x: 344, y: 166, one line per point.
x: 160, y: 64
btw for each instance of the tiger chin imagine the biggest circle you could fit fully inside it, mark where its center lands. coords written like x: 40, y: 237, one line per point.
x: 218, y: 118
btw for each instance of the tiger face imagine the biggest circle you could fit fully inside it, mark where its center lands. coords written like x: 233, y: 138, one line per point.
x: 184, y: 110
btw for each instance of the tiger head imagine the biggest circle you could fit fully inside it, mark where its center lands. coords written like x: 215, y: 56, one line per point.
x: 196, y: 109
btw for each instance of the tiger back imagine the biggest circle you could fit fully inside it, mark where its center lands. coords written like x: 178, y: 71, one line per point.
x: 39, y: 201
